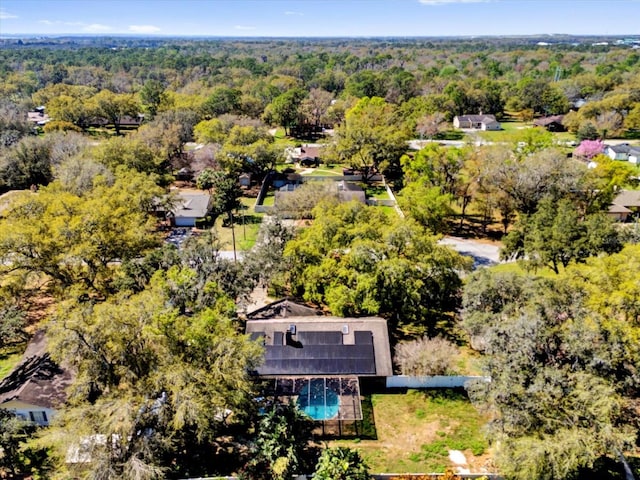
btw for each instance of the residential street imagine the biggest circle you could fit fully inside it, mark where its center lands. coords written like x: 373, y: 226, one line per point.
x: 484, y: 254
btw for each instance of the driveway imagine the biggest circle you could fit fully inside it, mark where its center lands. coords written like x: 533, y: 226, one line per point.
x: 484, y: 254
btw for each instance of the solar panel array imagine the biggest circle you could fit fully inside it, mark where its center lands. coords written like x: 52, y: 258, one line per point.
x: 320, y: 353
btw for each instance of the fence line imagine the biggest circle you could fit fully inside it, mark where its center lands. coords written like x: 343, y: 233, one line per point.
x: 436, y: 381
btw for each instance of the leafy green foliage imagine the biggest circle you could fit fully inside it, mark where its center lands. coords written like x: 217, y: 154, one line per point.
x: 341, y: 463
x: 369, y: 140
x: 357, y: 261
x: 160, y: 384
x: 12, y: 323
x: 27, y: 163
x: 562, y: 380
x: 282, y: 447
x: 74, y: 240
x: 19, y: 458
x: 558, y: 235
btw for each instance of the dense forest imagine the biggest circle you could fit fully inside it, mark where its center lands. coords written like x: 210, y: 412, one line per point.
x: 155, y: 333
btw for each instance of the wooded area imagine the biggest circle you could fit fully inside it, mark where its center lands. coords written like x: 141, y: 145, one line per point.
x: 155, y: 334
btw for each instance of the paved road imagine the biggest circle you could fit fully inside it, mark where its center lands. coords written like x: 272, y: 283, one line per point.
x: 483, y: 254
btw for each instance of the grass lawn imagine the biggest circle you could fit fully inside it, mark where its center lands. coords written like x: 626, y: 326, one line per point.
x: 8, y: 360
x: 246, y: 227
x: 269, y: 199
x: 323, y: 172
x: 517, y: 267
x: 376, y: 191
x: 416, y: 430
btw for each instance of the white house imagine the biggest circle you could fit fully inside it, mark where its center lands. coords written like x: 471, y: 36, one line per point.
x: 477, y: 122
x: 189, y: 208
x: 634, y: 155
x: 617, y: 152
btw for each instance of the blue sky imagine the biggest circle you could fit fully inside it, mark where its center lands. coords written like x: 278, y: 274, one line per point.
x: 353, y: 18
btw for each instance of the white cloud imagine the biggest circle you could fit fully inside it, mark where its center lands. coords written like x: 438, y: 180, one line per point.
x: 448, y: 2
x: 244, y: 27
x: 4, y: 15
x: 96, y: 28
x: 144, y: 29
x: 299, y: 14
x: 47, y: 22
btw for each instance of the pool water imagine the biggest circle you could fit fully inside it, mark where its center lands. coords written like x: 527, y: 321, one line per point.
x: 318, y: 402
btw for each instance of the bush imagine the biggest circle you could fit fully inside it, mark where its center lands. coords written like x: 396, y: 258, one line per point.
x: 426, y: 356
x: 341, y: 464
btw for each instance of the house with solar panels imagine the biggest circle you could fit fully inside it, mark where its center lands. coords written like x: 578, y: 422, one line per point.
x: 318, y: 361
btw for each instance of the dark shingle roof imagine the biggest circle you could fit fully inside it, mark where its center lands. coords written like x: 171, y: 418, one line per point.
x: 37, y: 380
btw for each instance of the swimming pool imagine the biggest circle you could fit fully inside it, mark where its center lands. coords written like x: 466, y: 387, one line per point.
x: 318, y: 401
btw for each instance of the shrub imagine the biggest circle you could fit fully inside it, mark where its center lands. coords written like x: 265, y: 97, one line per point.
x: 426, y: 356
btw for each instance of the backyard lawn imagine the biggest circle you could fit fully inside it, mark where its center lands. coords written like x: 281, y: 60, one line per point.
x: 8, y: 360
x: 416, y: 430
x: 246, y: 227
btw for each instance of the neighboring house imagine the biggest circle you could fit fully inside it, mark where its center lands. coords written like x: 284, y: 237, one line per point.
x: 38, y: 117
x: 477, y: 122
x: 625, y: 206
x: 319, y: 360
x: 306, y: 155
x: 552, y: 123
x: 634, y: 155
x: 125, y: 121
x: 618, y: 152
x: 189, y: 208
x: 37, y: 386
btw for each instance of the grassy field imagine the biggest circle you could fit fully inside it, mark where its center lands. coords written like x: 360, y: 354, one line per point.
x: 246, y: 227
x: 416, y: 430
x: 324, y: 172
x: 517, y: 267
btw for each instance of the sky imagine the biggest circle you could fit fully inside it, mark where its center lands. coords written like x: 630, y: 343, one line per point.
x: 320, y: 18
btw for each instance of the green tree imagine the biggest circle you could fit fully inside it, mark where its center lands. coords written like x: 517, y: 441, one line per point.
x: 207, y: 179
x: 114, y: 106
x: 77, y: 240
x: 632, y: 120
x: 222, y: 100
x: 282, y: 447
x: 158, y: 385
x: 557, y: 235
x: 371, y: 139
x: 12, y: 324
x: 25, y: 164
x: 70, y: 109
x: 284, y: 110
x: 426, y: 205
x: 356, y: 261
x: 19, y: 459
x: 560, y: 388
x: 152, y: 95
x: 341, y: 463
x: 130, y: 153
